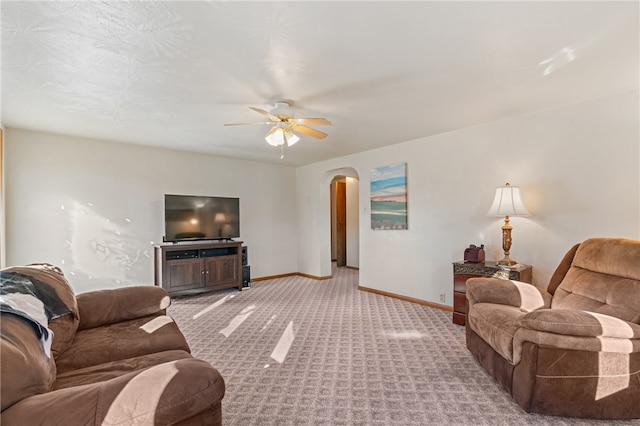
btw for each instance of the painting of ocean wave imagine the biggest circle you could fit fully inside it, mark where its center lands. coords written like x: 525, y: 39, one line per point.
x: 389, y: 197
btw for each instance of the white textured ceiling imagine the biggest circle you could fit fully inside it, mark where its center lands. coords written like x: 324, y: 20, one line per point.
x: 170, y: 74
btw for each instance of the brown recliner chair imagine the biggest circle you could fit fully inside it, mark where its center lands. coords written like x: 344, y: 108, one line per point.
x: 574, y: 349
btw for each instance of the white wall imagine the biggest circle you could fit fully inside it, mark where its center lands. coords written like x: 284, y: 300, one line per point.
x: 578, y: 167
x: 96, y: 208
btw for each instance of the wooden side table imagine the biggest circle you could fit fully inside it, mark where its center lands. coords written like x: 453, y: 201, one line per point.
x: 462, y: 271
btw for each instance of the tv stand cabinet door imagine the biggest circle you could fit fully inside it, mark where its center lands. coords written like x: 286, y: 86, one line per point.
x: 221, y: 271
x: 183, y: 274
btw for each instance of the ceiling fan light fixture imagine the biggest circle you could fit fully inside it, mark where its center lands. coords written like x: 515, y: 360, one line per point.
x: 280, y: 135
x: 284, y: 125
x: 291, y: 138
x: 275, y: 136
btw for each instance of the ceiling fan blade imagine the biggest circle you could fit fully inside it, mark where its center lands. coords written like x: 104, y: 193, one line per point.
x: 266, y: 114
x: 251, y: 122
x: 308, y: 131
x: 316, y: 121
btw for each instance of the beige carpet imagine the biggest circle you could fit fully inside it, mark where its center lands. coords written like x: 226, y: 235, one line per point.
x: 296, y: 351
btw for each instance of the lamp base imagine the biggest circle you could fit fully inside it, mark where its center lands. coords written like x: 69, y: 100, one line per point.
x: 506, y: 243
x: 506, y: 260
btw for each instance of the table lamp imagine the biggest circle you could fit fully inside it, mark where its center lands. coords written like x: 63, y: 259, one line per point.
x: 507, y: 202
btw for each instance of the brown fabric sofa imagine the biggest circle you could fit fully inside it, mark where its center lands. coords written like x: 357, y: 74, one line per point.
x: 574, y: 349
x: 116, y: 359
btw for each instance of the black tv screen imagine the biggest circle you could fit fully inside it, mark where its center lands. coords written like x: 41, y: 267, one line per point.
x: 189, y: 217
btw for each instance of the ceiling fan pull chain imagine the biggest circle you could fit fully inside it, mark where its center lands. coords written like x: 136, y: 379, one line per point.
x: 281, y: 151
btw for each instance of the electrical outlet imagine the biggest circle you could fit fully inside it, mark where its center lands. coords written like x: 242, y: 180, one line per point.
x: 441, y: 297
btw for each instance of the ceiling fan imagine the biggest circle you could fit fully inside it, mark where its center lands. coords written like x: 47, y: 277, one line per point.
x: 284, y: 125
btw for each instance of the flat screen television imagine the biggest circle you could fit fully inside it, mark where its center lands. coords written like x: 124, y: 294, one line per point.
x: 189, y: 217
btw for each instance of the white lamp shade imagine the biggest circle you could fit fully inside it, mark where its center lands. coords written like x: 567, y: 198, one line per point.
x: 275, y: 137
x: 279, y: 136
x: 291, y: 138
x: 508, y: 202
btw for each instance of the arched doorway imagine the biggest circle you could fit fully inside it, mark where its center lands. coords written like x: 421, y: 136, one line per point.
x: 339, y: 220
x: 332, y: 184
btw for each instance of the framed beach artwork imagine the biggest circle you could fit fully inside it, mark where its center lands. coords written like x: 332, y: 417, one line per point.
x: 389, y: 197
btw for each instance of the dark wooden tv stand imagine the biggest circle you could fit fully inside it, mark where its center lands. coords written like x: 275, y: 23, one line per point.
x: 193, y: 268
